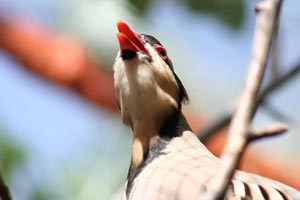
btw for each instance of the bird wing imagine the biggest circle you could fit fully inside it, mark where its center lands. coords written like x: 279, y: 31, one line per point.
x: 184, y: 168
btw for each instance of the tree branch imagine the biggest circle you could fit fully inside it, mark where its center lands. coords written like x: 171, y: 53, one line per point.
x: 225, y: 118
x: 269, y: 131
x: 267, y: 16
x: 275, y: 56
x: 4, y: 191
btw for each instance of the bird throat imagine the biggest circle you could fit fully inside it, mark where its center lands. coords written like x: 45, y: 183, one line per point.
x: 149, y: 144
x: 142, y: 142
x: 147, y: 137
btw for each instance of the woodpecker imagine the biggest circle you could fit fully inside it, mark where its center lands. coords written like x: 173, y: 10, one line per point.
x: 168, y: 161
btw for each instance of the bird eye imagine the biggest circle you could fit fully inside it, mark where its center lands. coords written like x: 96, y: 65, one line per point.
x: 162, y: 51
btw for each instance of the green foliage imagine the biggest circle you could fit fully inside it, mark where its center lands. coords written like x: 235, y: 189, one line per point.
x: 41, y: 194
x: 229, y: 12
x: 11, y: 156
x: 141, y: 6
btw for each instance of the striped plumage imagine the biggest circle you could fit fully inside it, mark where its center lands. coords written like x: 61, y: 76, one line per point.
x: 168, y: 160
x: 183, y: 167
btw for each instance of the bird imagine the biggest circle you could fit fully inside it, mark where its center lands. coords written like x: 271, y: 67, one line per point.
x: 168, y: 161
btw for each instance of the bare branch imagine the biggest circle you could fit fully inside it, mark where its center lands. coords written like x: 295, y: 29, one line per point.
x: 275, y: 57
x: 275, y: 85
x: 267, y: 16
x: 4, y: 191
x: 269, y: 131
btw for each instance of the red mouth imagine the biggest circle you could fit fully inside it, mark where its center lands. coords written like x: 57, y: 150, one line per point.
x: 129, y: 39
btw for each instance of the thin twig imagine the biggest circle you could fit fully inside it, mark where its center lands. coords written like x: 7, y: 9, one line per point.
x: 267, y: 16
x: 272, y: 87
x: 4, y: 191
x: 275, y: 57
x: 269, y: 131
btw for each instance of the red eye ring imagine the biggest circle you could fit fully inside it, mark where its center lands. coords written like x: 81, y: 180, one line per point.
x: 162, y: 51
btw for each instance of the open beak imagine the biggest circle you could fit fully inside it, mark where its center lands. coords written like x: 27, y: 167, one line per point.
x: 129, y: 39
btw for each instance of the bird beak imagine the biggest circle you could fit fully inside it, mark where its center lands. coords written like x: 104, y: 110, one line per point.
x: 129, y: 39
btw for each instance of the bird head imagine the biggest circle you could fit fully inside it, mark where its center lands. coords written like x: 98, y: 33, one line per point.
x: 144, y: 53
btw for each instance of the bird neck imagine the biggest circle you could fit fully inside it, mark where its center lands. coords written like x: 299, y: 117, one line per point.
x: 146, y: 136
x: 149, y: 143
